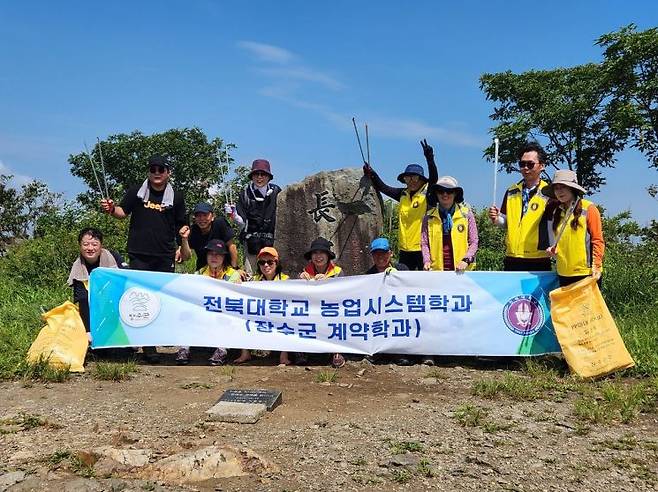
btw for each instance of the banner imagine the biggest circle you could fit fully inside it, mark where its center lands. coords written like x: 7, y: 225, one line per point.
x: 425, y: 313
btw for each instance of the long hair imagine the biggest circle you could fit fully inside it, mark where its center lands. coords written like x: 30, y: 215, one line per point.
x: 555, y: 212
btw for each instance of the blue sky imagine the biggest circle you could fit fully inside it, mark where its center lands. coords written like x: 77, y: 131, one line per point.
x: 282, y: 80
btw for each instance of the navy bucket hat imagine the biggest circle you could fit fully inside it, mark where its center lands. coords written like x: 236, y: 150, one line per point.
x: 411, y: 170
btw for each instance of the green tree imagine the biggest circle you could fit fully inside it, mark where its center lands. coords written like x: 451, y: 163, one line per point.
x: 568, y: 110
x: 21, y: 209
x: 631, y: 63
x: 199, y: 165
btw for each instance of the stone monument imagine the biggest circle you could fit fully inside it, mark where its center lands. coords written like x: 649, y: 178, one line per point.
x: 341, y: 206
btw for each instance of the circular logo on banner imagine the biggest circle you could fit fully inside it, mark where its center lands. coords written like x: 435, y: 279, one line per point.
x: 523, y: 315
x: 534, y: 206
x: 138, y: 307
x: 460, y: 228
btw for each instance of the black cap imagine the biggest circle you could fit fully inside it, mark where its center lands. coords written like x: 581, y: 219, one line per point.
x: 202, y: 208
x: 159, y: 160
x: 217, y: 246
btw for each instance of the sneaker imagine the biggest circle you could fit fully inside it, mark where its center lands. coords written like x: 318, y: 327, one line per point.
x: 301, y: 359
x: 337, y: 361
x: 183, y: 356
x: 428, y: 361
x: 218, y: 358
x: 150, y: 355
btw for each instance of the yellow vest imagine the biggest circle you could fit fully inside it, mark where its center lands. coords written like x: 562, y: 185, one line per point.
x: 411, y: 212
x: 522, y: 238
x: 458, y: 235
x: 230, y: 274
x: 279, y: 276
x: 574, y: 248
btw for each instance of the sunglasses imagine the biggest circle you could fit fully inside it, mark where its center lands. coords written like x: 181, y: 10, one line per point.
x: 157, y: 169
x: 526, y: 164
x: 266, y: 262
x: 260, y: 174
x: 442, y: 191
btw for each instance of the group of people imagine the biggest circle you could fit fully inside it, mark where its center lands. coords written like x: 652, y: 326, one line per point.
x: 437, y: 231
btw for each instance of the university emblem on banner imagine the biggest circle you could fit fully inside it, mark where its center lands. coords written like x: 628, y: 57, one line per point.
x: 138, y: 307
x: 523, y: 315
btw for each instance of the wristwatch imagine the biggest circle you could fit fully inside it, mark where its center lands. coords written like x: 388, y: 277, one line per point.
x: 468, y: 260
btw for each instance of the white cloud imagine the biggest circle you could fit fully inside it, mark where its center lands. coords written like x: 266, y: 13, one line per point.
x: 290, y: 71
x: 18, y: 180
x: 267, y: 52
x: 415, y: 129
x: 287, y: 74
x: 304, y: 74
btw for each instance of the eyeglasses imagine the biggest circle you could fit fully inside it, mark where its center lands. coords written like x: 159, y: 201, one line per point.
x: 526, y: 164
x: 157, y: 169
x: 410, y: 177
x: 266, y: 262
x: 260, y: 174
x: 442, y: 191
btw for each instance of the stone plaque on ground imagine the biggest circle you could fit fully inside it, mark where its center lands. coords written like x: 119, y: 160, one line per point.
x: 341, y: 206
x: 269, y: 398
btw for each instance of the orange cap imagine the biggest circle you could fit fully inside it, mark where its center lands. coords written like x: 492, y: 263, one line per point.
x: 268, y: 250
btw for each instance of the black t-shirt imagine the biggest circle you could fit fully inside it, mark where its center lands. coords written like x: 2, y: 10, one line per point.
x: 153, y: 229
x: 219, y: 229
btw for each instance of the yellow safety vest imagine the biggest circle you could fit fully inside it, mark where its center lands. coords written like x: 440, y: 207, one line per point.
x: 411, y: 212
x: 279, y: 276
x: 522, y: 238
x: 574, y: 254
x: 230, y: 274
x: 458, y: 235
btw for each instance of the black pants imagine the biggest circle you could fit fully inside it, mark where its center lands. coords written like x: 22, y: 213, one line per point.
x: 151, y: 263
x: 511, y: 264
x: 413, y: 260
x: 564, y: 281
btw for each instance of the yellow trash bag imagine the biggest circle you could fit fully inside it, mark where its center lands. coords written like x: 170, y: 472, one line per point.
x: 63, y: 341
x: 588, y: 335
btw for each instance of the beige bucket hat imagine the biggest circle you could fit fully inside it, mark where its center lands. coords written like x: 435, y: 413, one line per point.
x: 564, y: 177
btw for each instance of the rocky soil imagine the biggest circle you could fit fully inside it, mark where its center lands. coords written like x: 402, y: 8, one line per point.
x: 378, y: 427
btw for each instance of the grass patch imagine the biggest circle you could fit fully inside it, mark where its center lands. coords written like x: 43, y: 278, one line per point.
x: 617, y: 401
x: 195, y: 385
x: 471, y: 415
x: 325, y: 376
x: 424, y: 468
x: 401, y: 476
x: 20, y: 322
x: 518, y: 388
x: 226, y: 371
x: 401, y: 447
x: 22, y: 422
x: 436, y: 373
x: 82, y: 464
x: 41, y: 370
x: 114, y: 371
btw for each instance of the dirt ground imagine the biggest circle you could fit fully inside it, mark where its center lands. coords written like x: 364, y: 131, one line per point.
x: 376, y: 427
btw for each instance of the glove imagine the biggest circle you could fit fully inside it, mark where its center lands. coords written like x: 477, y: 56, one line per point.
x: 428, y: 151
x: 367, y: 170
x: 229, y: 209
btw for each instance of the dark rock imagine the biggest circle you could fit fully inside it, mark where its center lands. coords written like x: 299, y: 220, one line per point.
x: 341, y: 206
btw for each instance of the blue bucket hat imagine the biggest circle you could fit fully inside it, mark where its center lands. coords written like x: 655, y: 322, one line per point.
x: 412, y: 169
x: 380, y: 244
